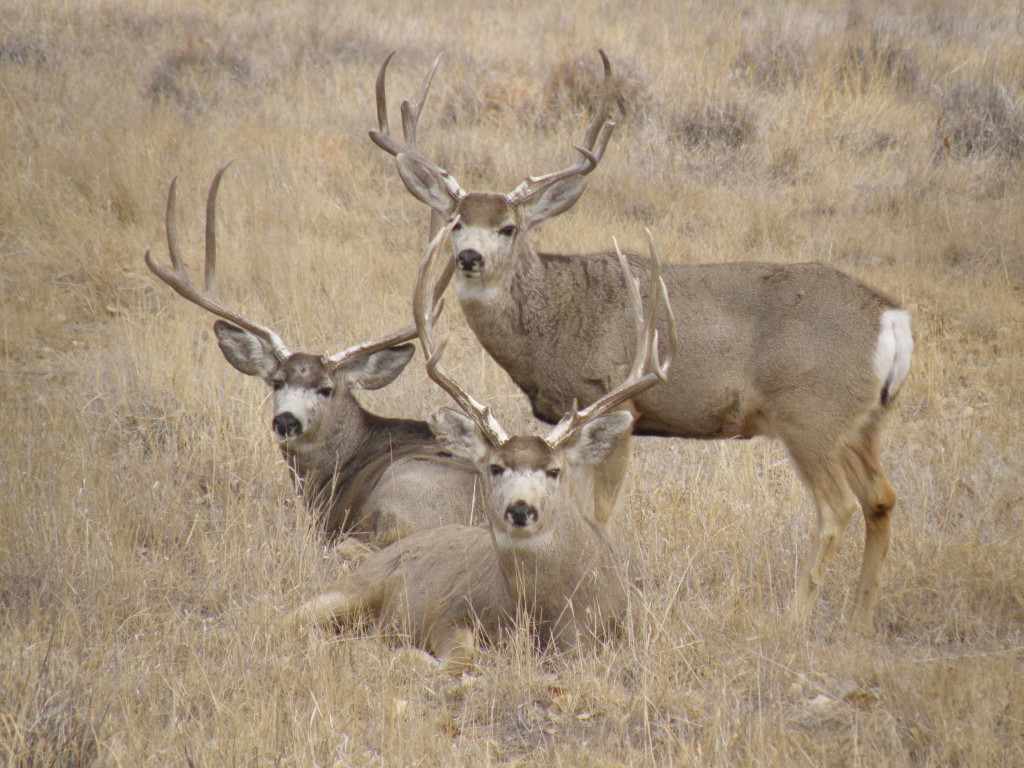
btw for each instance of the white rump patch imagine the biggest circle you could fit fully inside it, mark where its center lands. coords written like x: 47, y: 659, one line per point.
x: 892, y: 355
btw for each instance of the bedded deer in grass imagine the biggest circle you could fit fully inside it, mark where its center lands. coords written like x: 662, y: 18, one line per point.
x: 373, y: 477
x: 545, y: 556
x: 801, y: 352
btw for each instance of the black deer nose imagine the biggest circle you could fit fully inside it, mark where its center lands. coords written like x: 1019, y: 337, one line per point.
x: 521, y: 514
x: 470, y: 260
x: 286, y: 425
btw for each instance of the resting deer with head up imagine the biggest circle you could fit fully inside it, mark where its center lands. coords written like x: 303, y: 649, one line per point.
x: 801, y: 352
x: 545, y: 556
x: 373, y: 477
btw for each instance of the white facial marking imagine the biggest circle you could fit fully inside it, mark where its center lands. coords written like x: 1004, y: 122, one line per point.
x: 304, y: 404
x: 514, y: 486
x: 894, y: 348
x: 494, y: 249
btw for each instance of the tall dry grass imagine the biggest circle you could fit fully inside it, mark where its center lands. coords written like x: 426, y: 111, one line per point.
x: 149, y: 537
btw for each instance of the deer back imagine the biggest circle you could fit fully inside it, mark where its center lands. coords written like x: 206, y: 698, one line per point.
x: 397, y: 485
x: 757, y: 341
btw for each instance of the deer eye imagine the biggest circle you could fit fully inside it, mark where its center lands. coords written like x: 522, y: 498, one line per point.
x: 457, y: 227
x: 276, y: 384
x: 325, y: 391
x: 496, y: 469
x: 554, y: 474
x: 507, y: 231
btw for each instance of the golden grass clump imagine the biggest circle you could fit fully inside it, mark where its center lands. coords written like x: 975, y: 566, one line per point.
x: 150, y: 539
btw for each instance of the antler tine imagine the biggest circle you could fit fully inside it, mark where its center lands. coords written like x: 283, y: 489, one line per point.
x: 411, y: 115
x: 595, y: 139
x: 382, y: 136
x: 647, y: 369
x: 210, y: 272
x: 425, y: 314
x: 182, y: 284
x: 645, y: 324
x: 394, y: 338
x: 662, y: 367
x: 171, y: 227
x: 649, y: 361
x: 596, y: 125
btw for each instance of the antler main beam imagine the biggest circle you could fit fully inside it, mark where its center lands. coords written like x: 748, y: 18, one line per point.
x: 410, y: 120
x: 410, y: 114
x: 595, y: 140
x: 182, y: 284
x: 209, y: 300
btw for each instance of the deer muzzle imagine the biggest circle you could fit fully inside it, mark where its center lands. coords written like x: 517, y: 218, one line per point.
x: 470, y: 261
x: 521, y: 514
x: 286, y: 425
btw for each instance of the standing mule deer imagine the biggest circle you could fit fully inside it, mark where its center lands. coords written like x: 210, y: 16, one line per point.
x: 373, y: 477
x: 545, y: 558
x: 801, y: 352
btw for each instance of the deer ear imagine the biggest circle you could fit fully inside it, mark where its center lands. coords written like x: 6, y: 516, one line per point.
x: 425, y: 184
x: 246, y: 352
x: 596, y: 439
x: 459, y: 434
x: 380, y: 368
x: 553, y: 200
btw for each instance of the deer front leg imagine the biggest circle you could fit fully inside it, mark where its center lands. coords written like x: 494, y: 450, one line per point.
x: 455, y: 648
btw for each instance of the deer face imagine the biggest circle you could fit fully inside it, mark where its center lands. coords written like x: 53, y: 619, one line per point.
x: 523, y: 485
x: 484, y: 240
x: 530, y: 488
x: 491, y: 229
x: 307, y: 392
x: 490, y: 223
x: 302, y: 390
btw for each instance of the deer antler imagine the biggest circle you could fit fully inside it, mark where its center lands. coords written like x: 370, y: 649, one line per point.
x: 408, y: 333
x: 207, y: 298
x: 647, y: 369
x: 595, y: 139
x: 426, y: 313
x: 210, y: 301
x: 410, y: 119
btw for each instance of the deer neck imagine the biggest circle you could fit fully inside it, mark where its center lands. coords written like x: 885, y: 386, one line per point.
x: 349, y: 441
x: 509, y: 311
x: 573, y: 562
x: 546, y: 324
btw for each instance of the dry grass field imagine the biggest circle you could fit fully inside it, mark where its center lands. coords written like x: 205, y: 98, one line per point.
x: 150, y: 538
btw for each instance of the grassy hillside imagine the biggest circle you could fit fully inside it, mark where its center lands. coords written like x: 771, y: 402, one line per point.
x: 150, y: 538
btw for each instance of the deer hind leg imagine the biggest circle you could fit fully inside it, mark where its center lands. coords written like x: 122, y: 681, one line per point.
x: 877, y: 499
x: 341, y: 603
x: 834, y: 502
